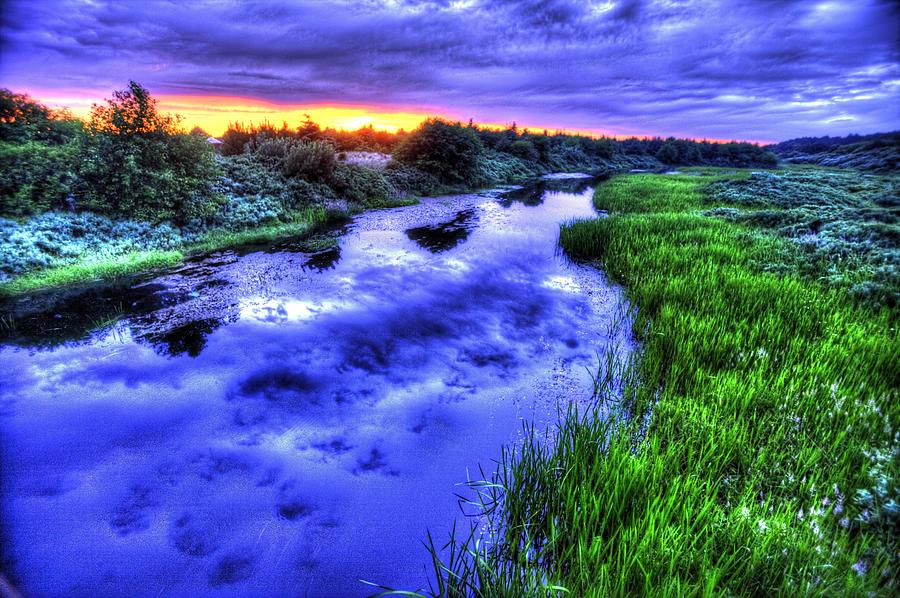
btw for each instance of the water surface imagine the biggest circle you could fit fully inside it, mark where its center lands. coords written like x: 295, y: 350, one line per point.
x: 276, y: 423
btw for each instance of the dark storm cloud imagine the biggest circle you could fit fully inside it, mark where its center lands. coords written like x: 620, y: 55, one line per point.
x: 728, y: 68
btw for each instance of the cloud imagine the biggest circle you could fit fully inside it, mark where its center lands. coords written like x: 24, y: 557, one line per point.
x: 625, y: 66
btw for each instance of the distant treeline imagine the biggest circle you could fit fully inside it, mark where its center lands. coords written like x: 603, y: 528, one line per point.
x: 128, y: 160
x: 522, y: 143
x: 879, y: 152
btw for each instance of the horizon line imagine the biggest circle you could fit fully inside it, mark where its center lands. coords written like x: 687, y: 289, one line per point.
x: 214, y: 113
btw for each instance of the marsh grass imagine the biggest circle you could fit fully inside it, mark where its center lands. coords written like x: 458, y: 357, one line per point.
x: 91, y: 270
x: 760, y: 455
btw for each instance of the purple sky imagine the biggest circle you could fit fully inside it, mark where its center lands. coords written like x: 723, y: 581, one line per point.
x: 759, y: 70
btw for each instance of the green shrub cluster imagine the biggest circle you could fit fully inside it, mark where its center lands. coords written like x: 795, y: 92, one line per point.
x: 365, y: 186
x: 844, y: 227
x: 127, y: 161
x: 447, y: 151
x: 35, y: 176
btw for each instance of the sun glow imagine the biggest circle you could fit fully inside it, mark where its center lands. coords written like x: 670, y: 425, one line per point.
x: 214, y: 113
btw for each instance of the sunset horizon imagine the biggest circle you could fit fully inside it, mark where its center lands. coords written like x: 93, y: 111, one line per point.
x: 214, y: 113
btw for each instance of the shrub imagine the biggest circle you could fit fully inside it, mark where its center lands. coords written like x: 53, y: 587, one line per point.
x: 362, y: 185
x: 500, y: 167
x: 35, y: 177
x: 409, y: 180
x: 22, y: 119
x: 247, y: 175
x: 524, y: 150
x: 310, y: 160
x: 448, y: 151
x: 59, y: 238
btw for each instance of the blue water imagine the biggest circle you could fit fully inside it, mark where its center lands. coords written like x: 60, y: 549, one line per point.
x: 275, y: 423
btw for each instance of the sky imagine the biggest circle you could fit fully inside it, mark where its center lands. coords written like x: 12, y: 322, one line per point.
x: 762, y: 70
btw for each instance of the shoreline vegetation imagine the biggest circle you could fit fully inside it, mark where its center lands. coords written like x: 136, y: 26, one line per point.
x: 127, y: 191
x: 752, y: 445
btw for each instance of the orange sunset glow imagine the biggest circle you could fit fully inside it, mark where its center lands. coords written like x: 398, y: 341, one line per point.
x: 214, y: 113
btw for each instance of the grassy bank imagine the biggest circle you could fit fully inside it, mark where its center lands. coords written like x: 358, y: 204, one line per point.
x: 761, y: 455
x: 91, y: 270
x: 131, y: 263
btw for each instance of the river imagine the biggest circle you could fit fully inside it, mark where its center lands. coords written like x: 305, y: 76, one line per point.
x: 270, y: 422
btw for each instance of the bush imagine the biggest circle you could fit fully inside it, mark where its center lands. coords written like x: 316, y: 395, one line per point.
x: 22, y: 119
x: 409, y: 180
x: 247, y: 175
x: 360, y: 184
x: 448, y: 151
x: 500, y: 167
x: 524, y: 150
x: 310, y: 160
x: 59, y: 238
x: 35, y: 177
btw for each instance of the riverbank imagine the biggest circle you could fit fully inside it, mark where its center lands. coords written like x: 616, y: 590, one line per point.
x: 759, y: 451
x: 110, y: 258
x: 110, y: 266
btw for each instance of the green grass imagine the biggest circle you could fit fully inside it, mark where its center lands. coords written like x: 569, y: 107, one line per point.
x: 91, y: 270
x: 113, y: 267
x: 758, y: 452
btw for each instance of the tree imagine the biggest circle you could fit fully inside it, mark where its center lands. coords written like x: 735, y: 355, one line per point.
x: 25, y: 119
x: 668, y: 152
x: 37, y: 155
x: 448, y: 151
x: 136, y: 162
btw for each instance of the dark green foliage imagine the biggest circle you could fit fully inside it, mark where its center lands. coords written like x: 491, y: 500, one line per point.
x: 501, y: 167
x: 295, y: 158
x: 310, y: 160
x: 524, y: 149
x: 235, y: 139
x: 37, y: 149
x: 409, y: 180
x: 879, y: 152
x: 22, y: 119
x: 35, y: 177
x: 249, y: 176
x: 362, y: 185
x: 448, y: 151
x: 134, y: 162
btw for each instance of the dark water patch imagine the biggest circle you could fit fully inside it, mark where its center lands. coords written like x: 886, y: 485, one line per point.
x: 192, y: 538
x: 535, y: 194
x: 134, y: 511
x: 324, y: 260
x: 444, y: 236
x: 186, y: 339
x: 232, y: 568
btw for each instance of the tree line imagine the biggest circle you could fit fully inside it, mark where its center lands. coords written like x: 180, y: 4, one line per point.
x: 129, y: 159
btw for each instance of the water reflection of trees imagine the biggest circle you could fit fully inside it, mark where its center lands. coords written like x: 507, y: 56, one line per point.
x: 444, y: 236
x: 533, y: 195
x: 78, y: 317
